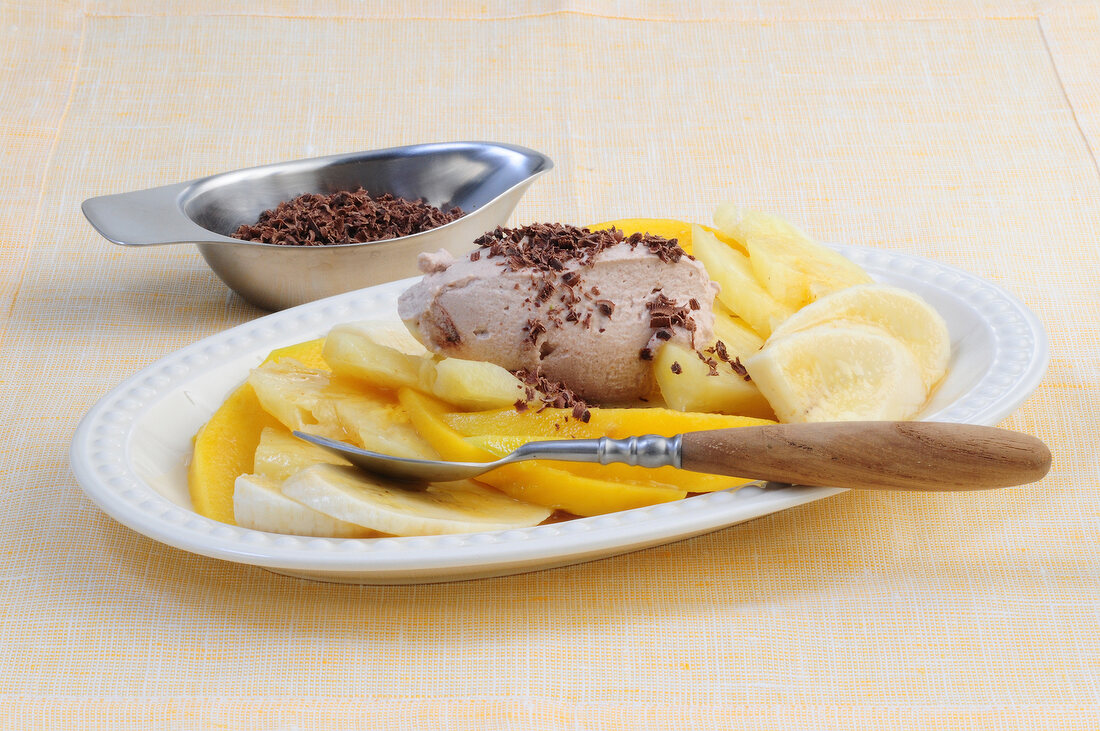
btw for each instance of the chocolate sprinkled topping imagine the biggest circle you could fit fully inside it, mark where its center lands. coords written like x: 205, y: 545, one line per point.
x: 555, y: 252
x: 645, y: 354
x: 552, y: 394
x: 549, y: 246
x: 344, y: 217
x: 476, y: 254
x: 676, y: 367
x: 694, y: 304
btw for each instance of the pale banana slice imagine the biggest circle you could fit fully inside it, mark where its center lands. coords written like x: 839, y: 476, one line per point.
x: 453, y: 507
x: 258, y: 504
x: 899, y: 312
x: 842, y: 373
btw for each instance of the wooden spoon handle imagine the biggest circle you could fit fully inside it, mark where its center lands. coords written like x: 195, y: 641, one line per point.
x: 877, y: 455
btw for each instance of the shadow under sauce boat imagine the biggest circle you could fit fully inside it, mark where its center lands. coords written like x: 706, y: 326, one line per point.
x: 485, y: 179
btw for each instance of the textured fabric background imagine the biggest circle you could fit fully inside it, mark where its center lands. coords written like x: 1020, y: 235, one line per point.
x: 967, y: 132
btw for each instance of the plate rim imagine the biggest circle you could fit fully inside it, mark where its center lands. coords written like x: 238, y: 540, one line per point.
x: 116, y: 489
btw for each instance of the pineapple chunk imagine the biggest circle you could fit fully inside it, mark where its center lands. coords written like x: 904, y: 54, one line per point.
x: 740, y: 340
x: 387, y: 332
x: 792, y: 268
x: 290, y: 392
x: 280, y: 454
x: 309, y: 400
x: 376, y: 421
x: 686, y: 385
x: 353, y: 351
x: 475, y: 385
x: 741, y: 292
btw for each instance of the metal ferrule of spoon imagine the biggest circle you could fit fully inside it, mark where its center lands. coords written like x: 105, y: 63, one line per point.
x: 890, y: 455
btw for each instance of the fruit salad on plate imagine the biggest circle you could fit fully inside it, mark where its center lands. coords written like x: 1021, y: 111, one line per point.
x: 630, y: 327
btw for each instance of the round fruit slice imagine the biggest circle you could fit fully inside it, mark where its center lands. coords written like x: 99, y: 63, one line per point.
x: 841, y: 373
x: 897, y: 311
x: 375, y: 503
x: 258, y: 504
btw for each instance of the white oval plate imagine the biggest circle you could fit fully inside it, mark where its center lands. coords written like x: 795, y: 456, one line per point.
x: 130, y: 451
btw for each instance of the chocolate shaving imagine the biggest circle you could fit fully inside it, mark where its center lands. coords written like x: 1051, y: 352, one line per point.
x: 534, y: 328
x: 552, y: 394
x: 676, y: 368
x: 344, y: 217
x: 545, y: 291
x: 739, y: 369
x: 712, y: 364
x: 646, y: 353
x: 665, y: 315
x: 720, y: 351
x: 447, y: 328
x: 606, y: 307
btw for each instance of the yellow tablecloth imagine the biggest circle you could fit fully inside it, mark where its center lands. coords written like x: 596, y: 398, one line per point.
x: 967, y: 132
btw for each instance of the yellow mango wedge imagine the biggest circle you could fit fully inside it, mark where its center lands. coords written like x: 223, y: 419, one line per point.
x: 666, y: 227
x: 617, y: 423
x: 546, y: 486
x: 508, y: 428
x: 667, y: 477
x: 226, y: 445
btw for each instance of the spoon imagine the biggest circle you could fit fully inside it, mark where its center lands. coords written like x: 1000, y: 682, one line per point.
x: 878, y: 455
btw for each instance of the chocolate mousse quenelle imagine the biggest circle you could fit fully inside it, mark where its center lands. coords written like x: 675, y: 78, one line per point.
x: 585, y: 309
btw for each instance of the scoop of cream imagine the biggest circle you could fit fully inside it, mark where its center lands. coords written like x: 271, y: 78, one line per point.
x: 585, y: 310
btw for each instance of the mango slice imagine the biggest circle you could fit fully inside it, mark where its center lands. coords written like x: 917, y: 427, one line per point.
x: 546, y: 486
x: 667, y: 227
x: 617, y: 423
x: 667, y: 477
x: 225, y: 446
